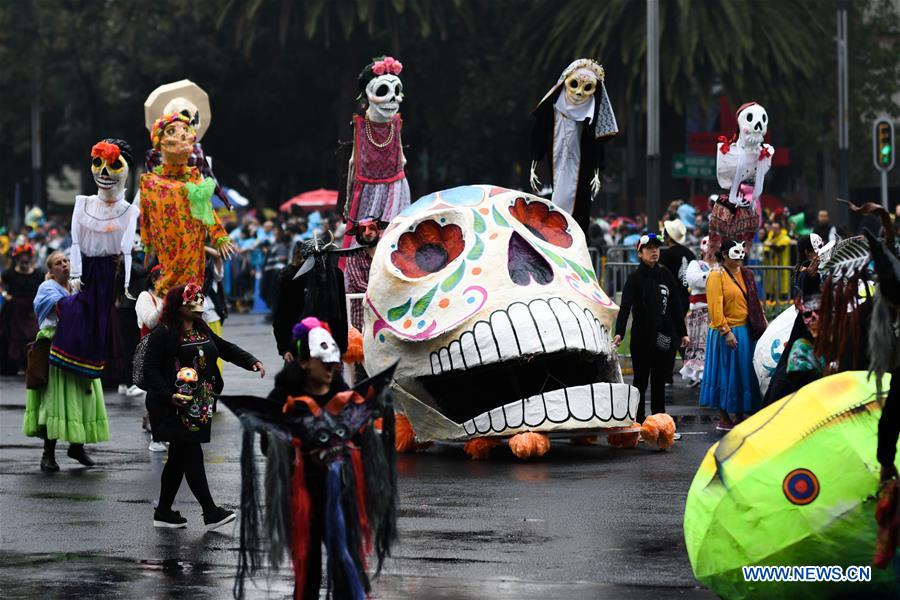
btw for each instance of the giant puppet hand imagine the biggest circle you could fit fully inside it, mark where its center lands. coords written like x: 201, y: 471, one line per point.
x: 533, y: 178
x: 595, y: 183
x: 226, y: 248
x: 75, y: 284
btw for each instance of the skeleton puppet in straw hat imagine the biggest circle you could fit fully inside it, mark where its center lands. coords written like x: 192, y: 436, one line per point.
x: 572, y: 122
x: 188, y: 99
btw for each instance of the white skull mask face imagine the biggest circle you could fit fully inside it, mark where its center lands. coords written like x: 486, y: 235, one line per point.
x: 323, y: 346
x: 385, y: 93
x: 753, y: 123
x: 185, y: 107
x: 737, y: 251
x: 110, y: 176
x: 580, y: 86
x: 704, y: 245
x: 488, y: 299
x: 816, y: 240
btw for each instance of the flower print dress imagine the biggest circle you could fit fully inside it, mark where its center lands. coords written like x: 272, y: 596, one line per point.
x: 176, y: 219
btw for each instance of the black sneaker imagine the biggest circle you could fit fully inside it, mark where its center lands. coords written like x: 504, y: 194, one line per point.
x: 170, y: 519
x: 218, y: 517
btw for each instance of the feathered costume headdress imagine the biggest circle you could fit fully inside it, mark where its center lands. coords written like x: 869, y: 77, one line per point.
x: 360, y: 509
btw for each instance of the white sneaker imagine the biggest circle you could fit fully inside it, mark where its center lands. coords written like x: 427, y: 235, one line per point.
x: 677, y: 436
x: 123, y: 389
x: 158, y: 446
x: 135, y: 391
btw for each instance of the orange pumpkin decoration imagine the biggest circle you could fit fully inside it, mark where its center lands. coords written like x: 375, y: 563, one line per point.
x: 529, y: 444
x: 480, y: 448
x: 404, y: 435
x: 659, y: 429
x: 354, y: 353
x: 624, y: 439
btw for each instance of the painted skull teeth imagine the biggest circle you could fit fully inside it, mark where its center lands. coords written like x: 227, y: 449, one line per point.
x: 595, y: 405
x: 538, y: 327
x: 489, y: 300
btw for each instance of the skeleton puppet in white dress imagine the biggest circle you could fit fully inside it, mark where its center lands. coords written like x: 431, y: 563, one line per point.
x: 571, y: 126
x: 741, y: 166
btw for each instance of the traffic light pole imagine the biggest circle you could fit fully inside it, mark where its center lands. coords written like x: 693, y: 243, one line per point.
x: 884, y: 187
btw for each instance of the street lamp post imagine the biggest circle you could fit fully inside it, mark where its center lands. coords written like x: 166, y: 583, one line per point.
x: 843, y: 121
x: 652, y: 114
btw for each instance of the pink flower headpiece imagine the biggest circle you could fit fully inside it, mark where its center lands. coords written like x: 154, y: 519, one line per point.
x: 190, y: 292
x: 386, y: 65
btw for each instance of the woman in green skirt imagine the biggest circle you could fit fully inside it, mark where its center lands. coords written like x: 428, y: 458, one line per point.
x: 68, y: 407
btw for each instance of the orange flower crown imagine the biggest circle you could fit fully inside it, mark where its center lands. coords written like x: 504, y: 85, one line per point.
x: 106, y: 151
x: 160, y: 124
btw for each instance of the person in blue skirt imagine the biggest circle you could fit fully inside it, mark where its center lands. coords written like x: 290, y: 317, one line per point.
x: 729, y: 381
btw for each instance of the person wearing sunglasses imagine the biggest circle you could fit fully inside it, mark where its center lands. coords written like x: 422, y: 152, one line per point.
x: 650, y: 298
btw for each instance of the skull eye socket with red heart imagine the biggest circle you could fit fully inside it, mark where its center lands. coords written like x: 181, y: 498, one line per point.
x: 488, y: 298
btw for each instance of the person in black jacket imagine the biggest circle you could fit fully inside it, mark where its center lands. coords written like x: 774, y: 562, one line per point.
x: 182, y: 415
x: 657, y: 327
x: 318, y: 291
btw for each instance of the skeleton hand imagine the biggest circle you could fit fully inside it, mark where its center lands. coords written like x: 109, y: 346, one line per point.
x: 226, y: 249
x: 128, y: 294
x: 595, y: 183
x: 533, y: 178
x: 75, y: 283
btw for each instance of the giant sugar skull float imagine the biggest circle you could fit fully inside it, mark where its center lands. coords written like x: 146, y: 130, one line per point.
x: 487, y: 298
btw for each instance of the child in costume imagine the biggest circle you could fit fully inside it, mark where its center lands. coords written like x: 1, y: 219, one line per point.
x: 376, y: 181
x: 330, y: 474
x: 176, y: 212
x: 103, y: 227
x: 698, y: 318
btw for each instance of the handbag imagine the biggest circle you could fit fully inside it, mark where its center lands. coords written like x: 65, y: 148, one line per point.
x: 140, y: 355
x: 756, y: 320
x: 37, y: 365
x: 663, y: 341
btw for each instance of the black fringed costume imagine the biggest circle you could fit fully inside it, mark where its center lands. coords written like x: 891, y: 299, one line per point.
x: 330, y: 477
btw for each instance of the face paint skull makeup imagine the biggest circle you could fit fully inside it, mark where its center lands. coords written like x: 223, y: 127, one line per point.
x: 385, y: 93
x: 488, y: 299
x: 110, y: 170
x: 736, y: 251
x: 580, y: 86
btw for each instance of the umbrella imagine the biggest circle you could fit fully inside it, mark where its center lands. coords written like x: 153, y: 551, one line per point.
x: 792, y: 485
x: 235, y: 197
x: 622, y: 221
x: 314, y: 200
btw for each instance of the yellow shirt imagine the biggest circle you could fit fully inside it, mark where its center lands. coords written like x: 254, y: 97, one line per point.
x: 727, y: 305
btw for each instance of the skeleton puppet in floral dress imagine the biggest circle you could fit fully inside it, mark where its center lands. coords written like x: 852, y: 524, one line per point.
x: 176, y: 212
x: 571, y: 126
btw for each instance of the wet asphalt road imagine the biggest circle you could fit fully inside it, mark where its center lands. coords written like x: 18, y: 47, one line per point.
x: 581, y: 522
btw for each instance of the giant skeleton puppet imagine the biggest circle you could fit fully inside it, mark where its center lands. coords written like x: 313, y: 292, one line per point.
x: 103, y: 227
x: 377, y: 188
x: 177, y: 216
x: 487, y: 298
x: 741, y: 166
x: 189, y: 99
x: 571, y: 125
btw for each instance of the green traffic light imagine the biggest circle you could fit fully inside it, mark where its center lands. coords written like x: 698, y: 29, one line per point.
x: 886, y: 150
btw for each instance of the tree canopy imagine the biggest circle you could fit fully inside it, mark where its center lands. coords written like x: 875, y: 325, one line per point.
x: 281, y: 76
